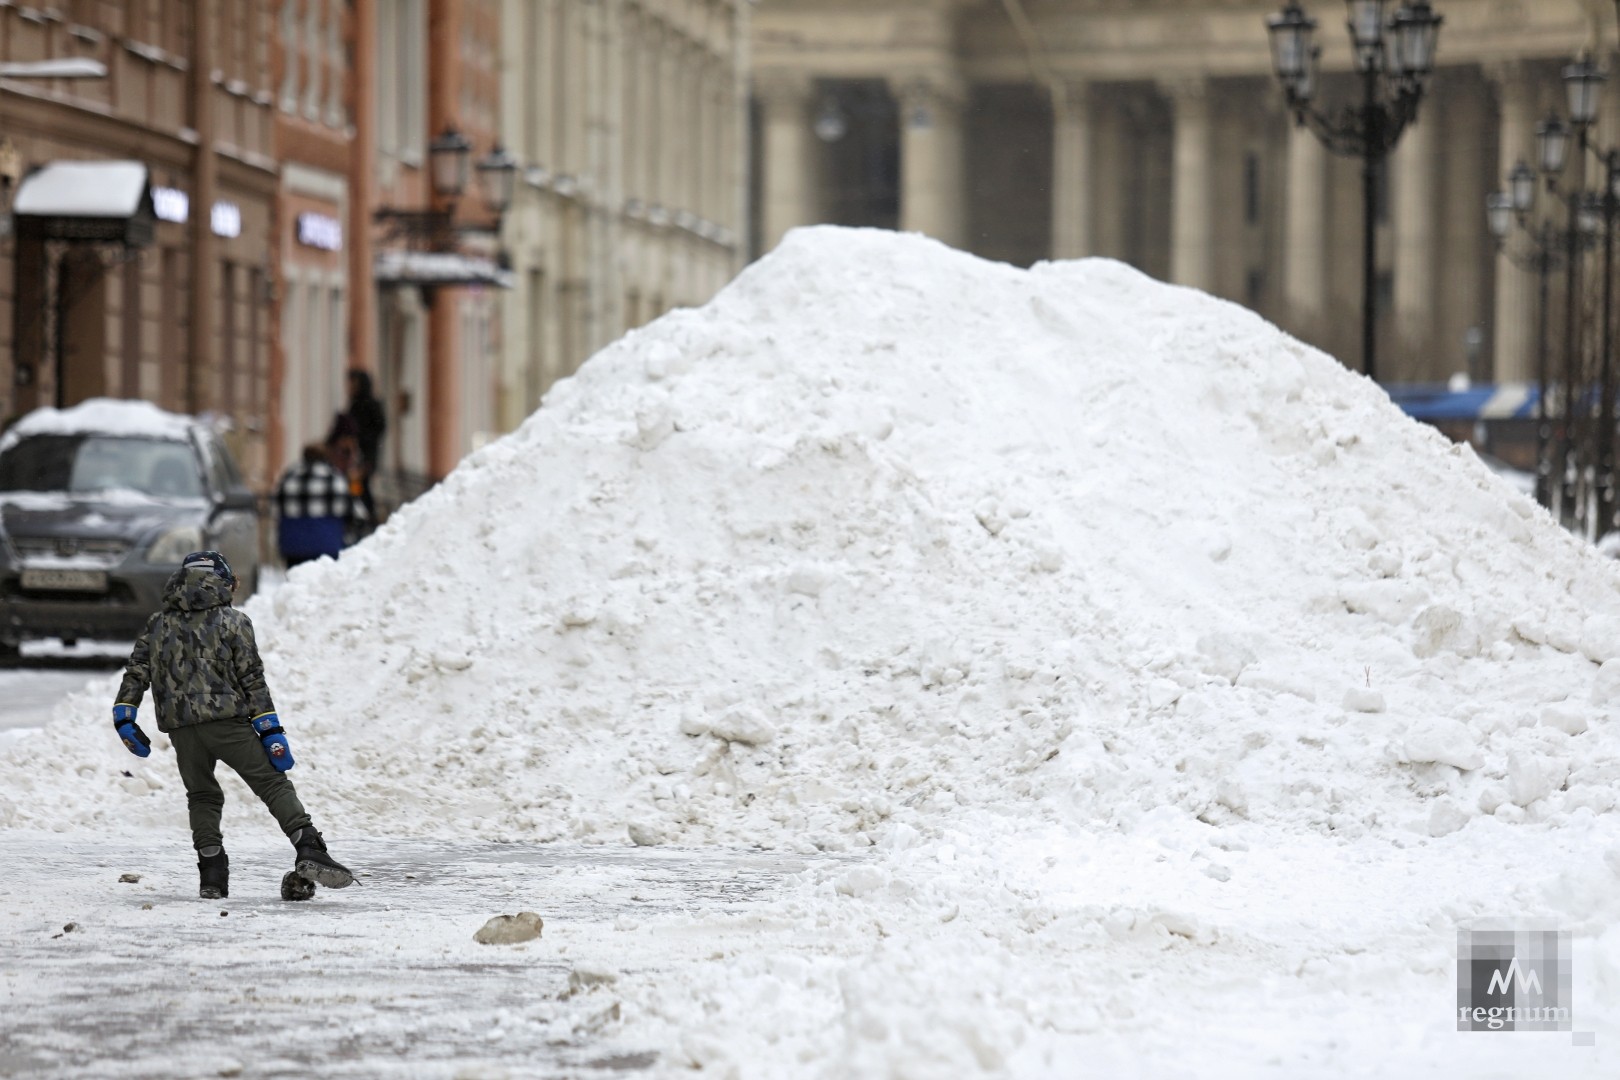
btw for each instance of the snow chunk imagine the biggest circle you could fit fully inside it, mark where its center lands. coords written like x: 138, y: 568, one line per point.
x: 1363, y: 699
x: 742, y: 724
x: 1600, y: 638
x: 1443, y: 741
x: 509, y: 929
x: 1568, y: 718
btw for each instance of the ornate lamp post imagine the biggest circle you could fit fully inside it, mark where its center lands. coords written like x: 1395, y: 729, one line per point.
x: 497, y: 175
x: 1394, y: 57
x: 1583, y: 82
x: 1544, y: 258
x: 1608, y: 205
x: 449, y: 166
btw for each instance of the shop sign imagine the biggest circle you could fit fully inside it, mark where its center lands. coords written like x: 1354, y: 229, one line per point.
x: 320, y: 231
x: 171, y: 204
x: 226, y: 219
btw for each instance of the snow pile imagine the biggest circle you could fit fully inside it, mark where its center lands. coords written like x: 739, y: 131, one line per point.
x: 1148, y: 690
x: 886, y: 531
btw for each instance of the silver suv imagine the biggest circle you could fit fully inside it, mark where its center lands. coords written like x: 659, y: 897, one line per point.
x: 98, y: 505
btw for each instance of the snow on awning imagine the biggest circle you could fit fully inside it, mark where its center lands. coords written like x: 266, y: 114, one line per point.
x: 1502, y: 401
x: 91, y: 201
x: 62, y: 67
x: 439, y: 268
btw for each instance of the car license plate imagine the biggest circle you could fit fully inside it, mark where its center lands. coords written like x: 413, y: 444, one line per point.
x: 65, y: 580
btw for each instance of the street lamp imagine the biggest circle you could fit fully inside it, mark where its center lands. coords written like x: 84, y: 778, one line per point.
x: 497, y: 176
x: 1583, y: 82
x: 1394, y: 57
x: 447, y: 163
x: 1522, y: 188
x: 1543, y: 258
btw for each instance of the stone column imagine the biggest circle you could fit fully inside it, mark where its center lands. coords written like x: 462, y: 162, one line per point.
x: 1416, y: 240
x: 442, y: 408
x: 931, y: 165
x: 1305, y: 234
x: 787, y: 154
x: 1072, y: 195
x: 1191, y: 254
x: 1108, y: 134
x: 1514, y: 343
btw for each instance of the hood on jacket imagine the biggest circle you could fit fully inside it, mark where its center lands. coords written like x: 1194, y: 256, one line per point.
x: 196, y: 590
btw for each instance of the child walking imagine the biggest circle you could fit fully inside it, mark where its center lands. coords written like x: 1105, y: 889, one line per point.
x: 199, y: 658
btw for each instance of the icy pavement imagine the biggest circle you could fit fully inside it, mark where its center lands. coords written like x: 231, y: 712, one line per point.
x: 380, y: 980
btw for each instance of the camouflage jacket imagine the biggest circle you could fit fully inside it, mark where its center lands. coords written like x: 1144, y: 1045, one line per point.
x: 198, y: 655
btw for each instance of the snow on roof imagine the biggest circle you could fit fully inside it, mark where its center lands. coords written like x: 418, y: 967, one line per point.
x: 101, y: 189
x: 103, y: 416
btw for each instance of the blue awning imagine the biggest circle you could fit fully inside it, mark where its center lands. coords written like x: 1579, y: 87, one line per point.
x: 1503, y: 401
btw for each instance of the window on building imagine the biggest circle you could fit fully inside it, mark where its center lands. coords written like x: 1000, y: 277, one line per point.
x: 535, y: 369
x: 337, y: 345
x: 287, y: 26
x: 311, y: 57
x: 229, y: 273
x: 254, y: 358
x: 412, y: 79
x: 177, y: 27
x: 535, y: 102
x: 173, y: 372
x: 1251, y: 188
x: 336, y: 110
x: 130, y: 347
x: 401, y: 80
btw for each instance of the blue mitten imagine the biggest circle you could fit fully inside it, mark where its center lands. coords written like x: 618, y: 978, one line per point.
x: 275, y: 741
x: 130, y: 731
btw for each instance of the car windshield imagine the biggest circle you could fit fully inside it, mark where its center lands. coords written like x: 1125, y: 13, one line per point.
x: 81, y: 464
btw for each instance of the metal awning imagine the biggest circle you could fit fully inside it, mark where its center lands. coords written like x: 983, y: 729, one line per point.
x: 90, y: 201
x: 1500, y: 401
x: 439, y: 268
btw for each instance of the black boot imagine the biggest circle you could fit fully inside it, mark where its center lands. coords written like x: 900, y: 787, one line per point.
x: 315, y: 864
x: 214, y: 873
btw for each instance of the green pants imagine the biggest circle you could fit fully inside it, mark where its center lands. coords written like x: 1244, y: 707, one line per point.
x: 199, y: 746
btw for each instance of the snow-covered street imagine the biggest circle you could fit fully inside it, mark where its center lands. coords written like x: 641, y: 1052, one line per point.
x: 1145, y: 957
x: 383, y: 979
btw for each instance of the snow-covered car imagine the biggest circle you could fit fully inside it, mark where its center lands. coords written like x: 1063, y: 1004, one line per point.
x: 98, y: 505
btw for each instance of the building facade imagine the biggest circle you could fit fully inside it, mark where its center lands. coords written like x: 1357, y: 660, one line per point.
x: 316, y: 217
x: 426, y: 326
x: 1152, y: 131
x: 629, y: 119
x: 181, y: 314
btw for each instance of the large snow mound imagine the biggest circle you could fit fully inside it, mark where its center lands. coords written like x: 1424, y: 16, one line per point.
x: 886, y: 531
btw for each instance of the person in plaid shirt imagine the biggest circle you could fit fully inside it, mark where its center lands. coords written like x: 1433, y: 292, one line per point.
x: 315, y: 508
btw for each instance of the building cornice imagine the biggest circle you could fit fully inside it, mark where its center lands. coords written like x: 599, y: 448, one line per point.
x: 1127, y: 40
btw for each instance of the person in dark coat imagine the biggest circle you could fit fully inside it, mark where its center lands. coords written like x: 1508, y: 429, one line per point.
x: 370, y: 424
